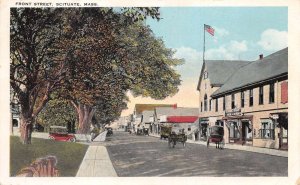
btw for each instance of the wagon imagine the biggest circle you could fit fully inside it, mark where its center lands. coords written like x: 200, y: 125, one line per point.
x: 165, y: 131
x: 216, y: 135
x: 177, y: 138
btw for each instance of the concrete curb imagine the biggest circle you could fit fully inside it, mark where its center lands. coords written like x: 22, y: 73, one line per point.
x: 96, y: 163
x: 243, y: 148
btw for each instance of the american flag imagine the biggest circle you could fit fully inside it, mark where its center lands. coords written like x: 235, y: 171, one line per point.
x: 209, y: 29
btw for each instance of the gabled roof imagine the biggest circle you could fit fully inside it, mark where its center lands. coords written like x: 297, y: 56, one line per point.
x: 139, y: 108
x: 179, y: 111
x: 272, y: 66
x: 220, y: 70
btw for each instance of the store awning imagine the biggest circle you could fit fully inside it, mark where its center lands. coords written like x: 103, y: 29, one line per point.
x: 181, y: 119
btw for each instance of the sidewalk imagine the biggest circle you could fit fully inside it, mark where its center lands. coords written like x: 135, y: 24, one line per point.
x: 96, y: 163
x: 244, y: 148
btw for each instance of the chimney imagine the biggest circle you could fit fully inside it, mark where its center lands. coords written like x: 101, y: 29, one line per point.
x: 175, y: 106
x: 261, y: 56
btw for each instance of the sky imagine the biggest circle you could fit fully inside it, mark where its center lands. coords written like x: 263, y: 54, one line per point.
x: 241, y: 33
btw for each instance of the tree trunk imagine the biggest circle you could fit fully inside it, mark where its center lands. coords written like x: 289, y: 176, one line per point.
x: 25, y: 129
x: 85, y: 114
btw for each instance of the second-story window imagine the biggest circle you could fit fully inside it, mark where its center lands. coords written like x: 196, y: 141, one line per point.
x: 205, y: 102
x: 271, y: 93
x: 216, y: 109
x: 232, y: 101
x: 261, y: 95
x: 201, y: 106
x: 205, y: 75
x: 251, y: 97
x: 210, y: 104
x: 242, y: 99
x: 224, y: 103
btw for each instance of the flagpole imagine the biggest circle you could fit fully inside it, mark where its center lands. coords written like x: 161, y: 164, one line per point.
x: 203, y: 42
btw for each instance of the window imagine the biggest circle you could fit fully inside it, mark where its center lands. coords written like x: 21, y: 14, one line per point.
x: 267, y: 129
x: 210, y: 104
x: 205, y: 102
x: 233, y: 130
x: 242, y: 99
x: 251, y: 97
x: 224, y: 103
x: 261, y: 95
x: 201, y: 106
x: 216, y: 109
x: 271, y: 93
x: 232, y: 101
x: 205, y: 75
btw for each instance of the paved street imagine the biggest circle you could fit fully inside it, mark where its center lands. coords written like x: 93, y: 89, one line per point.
x: 133, y: 155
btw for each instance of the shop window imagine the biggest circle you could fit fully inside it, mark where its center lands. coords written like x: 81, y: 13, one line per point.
x: 251, y: 97
x: 261, y: 95
x: 271, y: 93
x: 234, y: 131
x: 189, y: 129
x: 232, y: 101
x: 242, y: 99
x: 205, y: 102
x: 216, y: 109
x: 267, y: 130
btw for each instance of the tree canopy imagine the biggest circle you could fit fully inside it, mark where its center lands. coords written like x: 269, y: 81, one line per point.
x: 89, y: 56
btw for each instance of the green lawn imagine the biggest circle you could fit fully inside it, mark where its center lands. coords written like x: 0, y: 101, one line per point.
x: 69, y: 155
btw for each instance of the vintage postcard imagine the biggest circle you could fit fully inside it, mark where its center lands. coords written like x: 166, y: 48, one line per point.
x: 197, y: 92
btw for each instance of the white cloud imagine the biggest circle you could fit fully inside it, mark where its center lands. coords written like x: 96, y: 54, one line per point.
x: 273, y: 40
x: 193, y: 61
x: 221, y: 32
x: 229, y: 51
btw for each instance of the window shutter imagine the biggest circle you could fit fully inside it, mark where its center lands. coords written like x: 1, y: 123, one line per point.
x: 284, y: 92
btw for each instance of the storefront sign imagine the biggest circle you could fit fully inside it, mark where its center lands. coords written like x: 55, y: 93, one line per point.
x: 234, y: 112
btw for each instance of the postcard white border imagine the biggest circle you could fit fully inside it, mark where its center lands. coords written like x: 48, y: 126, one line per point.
x: 294, y: 99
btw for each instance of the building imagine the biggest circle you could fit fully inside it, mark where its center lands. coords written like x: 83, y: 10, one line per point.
x: 177, y: 117
x: 250, y: 99
x: 140, y: 108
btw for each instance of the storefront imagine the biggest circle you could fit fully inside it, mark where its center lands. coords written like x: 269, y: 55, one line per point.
x: 203, y: 124
x: 239, y: 127
x: 281, y: 121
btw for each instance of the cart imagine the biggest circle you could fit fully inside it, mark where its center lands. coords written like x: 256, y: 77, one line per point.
x: 216, y: 135
x: 177, y: 138
x: 165, y: 131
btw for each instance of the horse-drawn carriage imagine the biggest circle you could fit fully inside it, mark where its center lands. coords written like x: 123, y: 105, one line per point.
x: 216, y: 135
x: 142, y: 131
x: 177, y: 138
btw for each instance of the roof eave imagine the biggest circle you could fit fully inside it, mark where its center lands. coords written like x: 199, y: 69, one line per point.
x: 250, y: 85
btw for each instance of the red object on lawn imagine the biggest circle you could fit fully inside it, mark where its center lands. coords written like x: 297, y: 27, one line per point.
x: 60, y: 133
